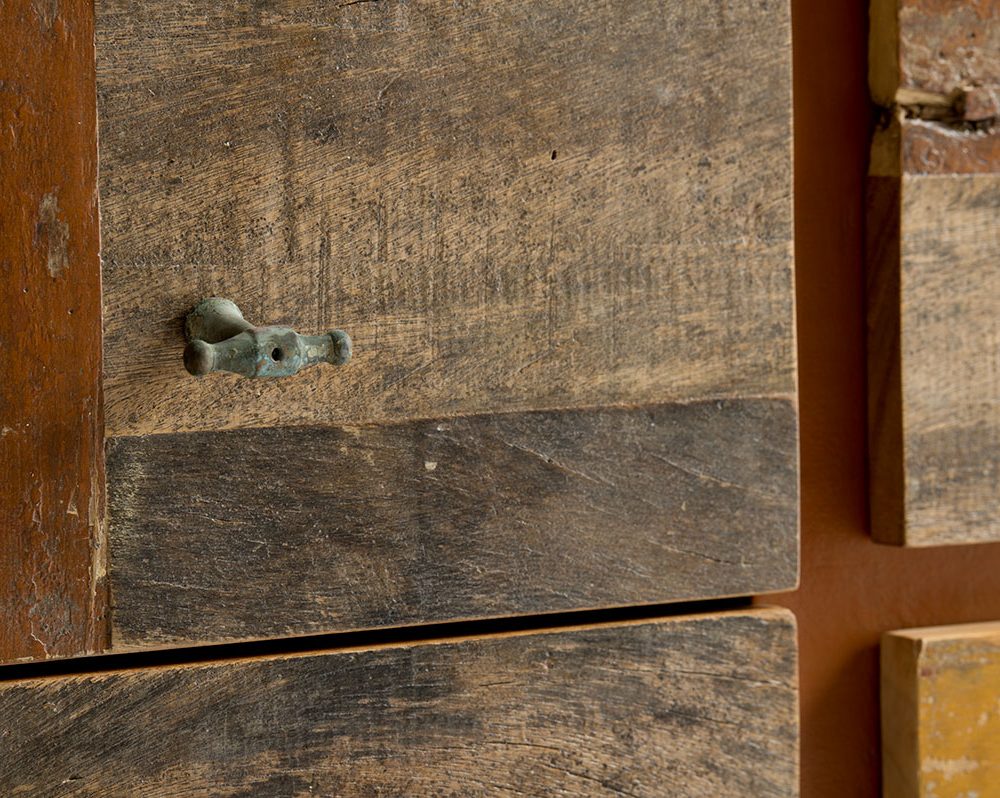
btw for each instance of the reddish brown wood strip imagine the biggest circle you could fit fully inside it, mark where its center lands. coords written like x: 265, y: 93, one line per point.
x: 51, y: 419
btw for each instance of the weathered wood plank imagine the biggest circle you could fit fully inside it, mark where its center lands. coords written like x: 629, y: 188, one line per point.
x: 934, y: 272
x: 940, y: 718
x: 692, y: 706
x: 935, y: 440
x: 510, y: 206
x: 52, y: 597
x: 270, y: 532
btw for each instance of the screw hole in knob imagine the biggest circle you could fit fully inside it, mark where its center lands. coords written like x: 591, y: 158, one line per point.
x: 277, y: 354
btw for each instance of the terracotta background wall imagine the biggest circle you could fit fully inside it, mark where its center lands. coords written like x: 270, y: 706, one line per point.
x: 852, y: 589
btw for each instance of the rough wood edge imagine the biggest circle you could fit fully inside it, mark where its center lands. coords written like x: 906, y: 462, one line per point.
x: 52, y: 589
x: 924, y: 129
x: 883, y: 51
x: 899, y: 656
x: 885, y: 390
x: 201, y: 656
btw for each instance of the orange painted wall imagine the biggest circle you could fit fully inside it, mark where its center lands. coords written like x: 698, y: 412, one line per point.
x: 852, y: 589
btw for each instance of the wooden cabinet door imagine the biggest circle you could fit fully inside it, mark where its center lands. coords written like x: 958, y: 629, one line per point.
x: 560, y: 237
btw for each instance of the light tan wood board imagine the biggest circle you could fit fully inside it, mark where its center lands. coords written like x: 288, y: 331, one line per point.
x: 509, y: 206
x: 941, y: 712
x: 691, y: 706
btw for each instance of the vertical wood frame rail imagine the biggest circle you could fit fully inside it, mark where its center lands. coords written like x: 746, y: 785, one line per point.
x: 52, y: 588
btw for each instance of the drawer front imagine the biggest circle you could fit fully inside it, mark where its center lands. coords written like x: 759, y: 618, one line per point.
x: 559, y: 235
x: 695, y: 706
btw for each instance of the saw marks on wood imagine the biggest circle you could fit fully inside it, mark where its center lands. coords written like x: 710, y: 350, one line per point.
x: 509, y: 206
x: 703, y: 705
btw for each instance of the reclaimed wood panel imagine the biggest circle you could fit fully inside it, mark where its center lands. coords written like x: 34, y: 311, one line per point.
x: 691, y: 706
x: 934, y: 274
x: 509, y: 206
x: 52, y: 597
x: 941, y: 711
x: 273, y: 532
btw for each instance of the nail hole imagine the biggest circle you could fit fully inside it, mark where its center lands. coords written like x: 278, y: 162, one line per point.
x: 277, y: 354
x: 554, y: 154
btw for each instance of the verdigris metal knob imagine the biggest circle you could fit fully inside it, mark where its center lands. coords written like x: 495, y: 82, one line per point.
x: 220, y: 339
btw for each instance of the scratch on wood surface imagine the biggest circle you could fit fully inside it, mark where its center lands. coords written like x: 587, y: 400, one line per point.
x: 52, y: 232
x: 47, y: 12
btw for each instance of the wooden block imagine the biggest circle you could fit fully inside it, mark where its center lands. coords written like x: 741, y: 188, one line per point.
x: 271, y: 532
x: 52, y: 558
x: 941, y: 711
x: 690, y: 706
x: 922, y: 48
x: 934, y: 275
x: 510, y: 206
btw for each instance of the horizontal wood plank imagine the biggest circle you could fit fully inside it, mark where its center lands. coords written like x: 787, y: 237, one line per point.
x: 695, y: 706
x: 271, y: 532
x: 940, y: 719
x: 509, y: 206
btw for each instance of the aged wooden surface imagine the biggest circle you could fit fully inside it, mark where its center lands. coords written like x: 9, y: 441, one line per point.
x: 51, y: 453
x: 941, y: 711
x: 934, y: 349
x: 509, y: 206
x: 935, y: 65
x: 934, y: 273
x: 934, y: 358
x: 691, y: 706
x: 273, y: 532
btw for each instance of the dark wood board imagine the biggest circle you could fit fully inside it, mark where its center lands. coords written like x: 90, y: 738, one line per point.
x: 509, y: 206
x: 691, y: 706
x: 271, y: 532
x: 52, y: 599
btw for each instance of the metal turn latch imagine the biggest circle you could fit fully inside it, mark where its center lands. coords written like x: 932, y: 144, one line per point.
x: 220, y: 339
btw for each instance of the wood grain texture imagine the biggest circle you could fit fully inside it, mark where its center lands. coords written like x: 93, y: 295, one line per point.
x: 509, y: 206
x: 933, y: 46
x: 695, y: 706
x: 51, y: 431
x: 935, y: 444
x: 934, y: 272
x: 273, y: 532
x: 941, y: 711
x: 936, y: 65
